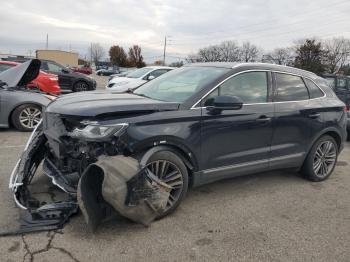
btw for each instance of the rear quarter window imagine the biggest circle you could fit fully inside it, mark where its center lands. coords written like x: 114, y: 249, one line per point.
x: 314, y: 90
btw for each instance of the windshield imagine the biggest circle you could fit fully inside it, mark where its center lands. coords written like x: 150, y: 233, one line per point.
x: 179, y: 84
x: 139, y: 72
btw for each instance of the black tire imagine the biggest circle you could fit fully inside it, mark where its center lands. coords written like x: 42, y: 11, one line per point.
x: 18, y: 115
x: 309, y: 169
x: 80, y: 86
x: 175, y: 160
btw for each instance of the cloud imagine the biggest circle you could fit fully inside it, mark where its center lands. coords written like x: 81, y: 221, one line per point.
x: 190, y: 24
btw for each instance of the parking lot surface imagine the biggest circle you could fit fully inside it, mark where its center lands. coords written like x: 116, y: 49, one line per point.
x: 276, y: 216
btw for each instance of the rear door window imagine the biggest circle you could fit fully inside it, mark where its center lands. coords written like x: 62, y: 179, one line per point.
x: 54, y: 67
x: 290, y: 88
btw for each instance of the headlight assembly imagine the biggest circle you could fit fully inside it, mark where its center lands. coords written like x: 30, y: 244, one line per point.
x: 95, y: 131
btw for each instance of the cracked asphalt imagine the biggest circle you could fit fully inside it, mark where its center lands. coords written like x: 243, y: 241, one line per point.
x: 276, y: 216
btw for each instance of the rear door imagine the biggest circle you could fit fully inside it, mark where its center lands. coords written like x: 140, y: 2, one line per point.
x: 297, y: 118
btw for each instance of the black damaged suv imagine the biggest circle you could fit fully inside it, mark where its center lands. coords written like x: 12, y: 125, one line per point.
x: 203, y: 122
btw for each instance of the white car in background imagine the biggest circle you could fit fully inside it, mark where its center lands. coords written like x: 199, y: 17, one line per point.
x: 136, y: 78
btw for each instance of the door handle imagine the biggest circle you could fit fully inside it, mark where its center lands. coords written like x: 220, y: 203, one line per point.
x: 263, y: 119
x: 314, y: 115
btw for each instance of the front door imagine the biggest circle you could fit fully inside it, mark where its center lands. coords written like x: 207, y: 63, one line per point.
x: 235, y: 142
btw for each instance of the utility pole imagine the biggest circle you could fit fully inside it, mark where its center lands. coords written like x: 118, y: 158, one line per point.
x: 164, y: 51
x: 47, y: 41
x: 91, y: 54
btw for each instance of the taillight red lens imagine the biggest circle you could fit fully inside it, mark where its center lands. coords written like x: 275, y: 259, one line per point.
x: 346, y: 109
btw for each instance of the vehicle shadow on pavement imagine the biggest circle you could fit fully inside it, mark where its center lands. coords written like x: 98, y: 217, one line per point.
x: 198, y: 200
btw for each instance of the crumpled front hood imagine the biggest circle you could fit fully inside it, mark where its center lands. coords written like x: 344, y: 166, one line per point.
x: 91, y: 104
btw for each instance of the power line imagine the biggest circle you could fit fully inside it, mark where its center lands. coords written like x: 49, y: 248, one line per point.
x: 269, y: 22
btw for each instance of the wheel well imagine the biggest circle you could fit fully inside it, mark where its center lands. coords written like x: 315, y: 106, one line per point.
x: 189, y: 162
x: 336, y: 137
x: 80, y: 80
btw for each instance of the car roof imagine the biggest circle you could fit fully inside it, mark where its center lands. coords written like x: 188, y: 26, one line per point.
x: 256, y: 66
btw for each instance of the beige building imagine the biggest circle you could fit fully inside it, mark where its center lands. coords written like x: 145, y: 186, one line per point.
x: 62, y: 57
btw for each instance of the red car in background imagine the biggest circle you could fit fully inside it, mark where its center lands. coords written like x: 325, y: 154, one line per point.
x: 47, y: 83
x: 87, y: 70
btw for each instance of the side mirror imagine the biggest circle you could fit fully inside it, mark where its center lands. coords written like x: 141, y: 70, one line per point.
x: 149, y: 78
x: 64, y: 70
x: 221, y: 103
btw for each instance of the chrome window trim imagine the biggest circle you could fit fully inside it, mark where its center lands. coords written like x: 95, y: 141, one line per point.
x: 261, y: 70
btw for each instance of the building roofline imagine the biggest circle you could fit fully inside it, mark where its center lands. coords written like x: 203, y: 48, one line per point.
x: 56, y: 50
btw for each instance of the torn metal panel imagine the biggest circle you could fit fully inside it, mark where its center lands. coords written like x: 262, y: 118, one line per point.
x: 36, y: 215
x: 123, y: 184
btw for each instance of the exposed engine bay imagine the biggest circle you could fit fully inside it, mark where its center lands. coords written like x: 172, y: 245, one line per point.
x: 100, y: 176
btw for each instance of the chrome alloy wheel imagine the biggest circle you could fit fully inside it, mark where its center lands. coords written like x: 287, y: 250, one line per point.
x: 325, y: 158
x: 30, y: 117
x: 81, y: 86
x: 170, y: 174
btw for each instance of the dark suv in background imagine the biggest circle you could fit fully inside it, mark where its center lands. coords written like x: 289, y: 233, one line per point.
x: 196, y: 124
x: 341, y: 86
x: 68, y: 80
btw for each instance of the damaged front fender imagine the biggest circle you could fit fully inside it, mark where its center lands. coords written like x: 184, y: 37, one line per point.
x: 118, y: 183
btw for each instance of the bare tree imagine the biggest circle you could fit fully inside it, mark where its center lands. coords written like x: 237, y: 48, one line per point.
x: 96, y: 52
x: 193, y: 58
x: 229, y: 51
x: 280, y: 56
x: 135, y: 58
x: 249, y: 52
x: 337, y: 52
x: 210, y: 54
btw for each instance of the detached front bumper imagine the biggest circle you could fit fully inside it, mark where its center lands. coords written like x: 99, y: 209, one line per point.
x: 36, y: 215
x: 113, y: 182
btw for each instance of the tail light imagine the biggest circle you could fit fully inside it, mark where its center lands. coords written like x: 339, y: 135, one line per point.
x: 346, y: 109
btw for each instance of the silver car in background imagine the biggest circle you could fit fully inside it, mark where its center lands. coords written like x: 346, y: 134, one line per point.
x: 21, y: 107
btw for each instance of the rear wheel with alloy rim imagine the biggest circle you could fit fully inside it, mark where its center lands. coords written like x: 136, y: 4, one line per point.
x: 26, y: 117
x: 81, y: 86
x: 321, y: 160
x: 170, y: 169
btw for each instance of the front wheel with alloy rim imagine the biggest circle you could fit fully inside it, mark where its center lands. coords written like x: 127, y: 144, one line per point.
x: 26, y: 117
x: 321, y: 159
x: 170, y: 169
x: 81, y: 86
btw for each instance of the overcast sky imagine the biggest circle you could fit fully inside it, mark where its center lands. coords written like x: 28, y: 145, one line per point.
x: 73, y: 25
